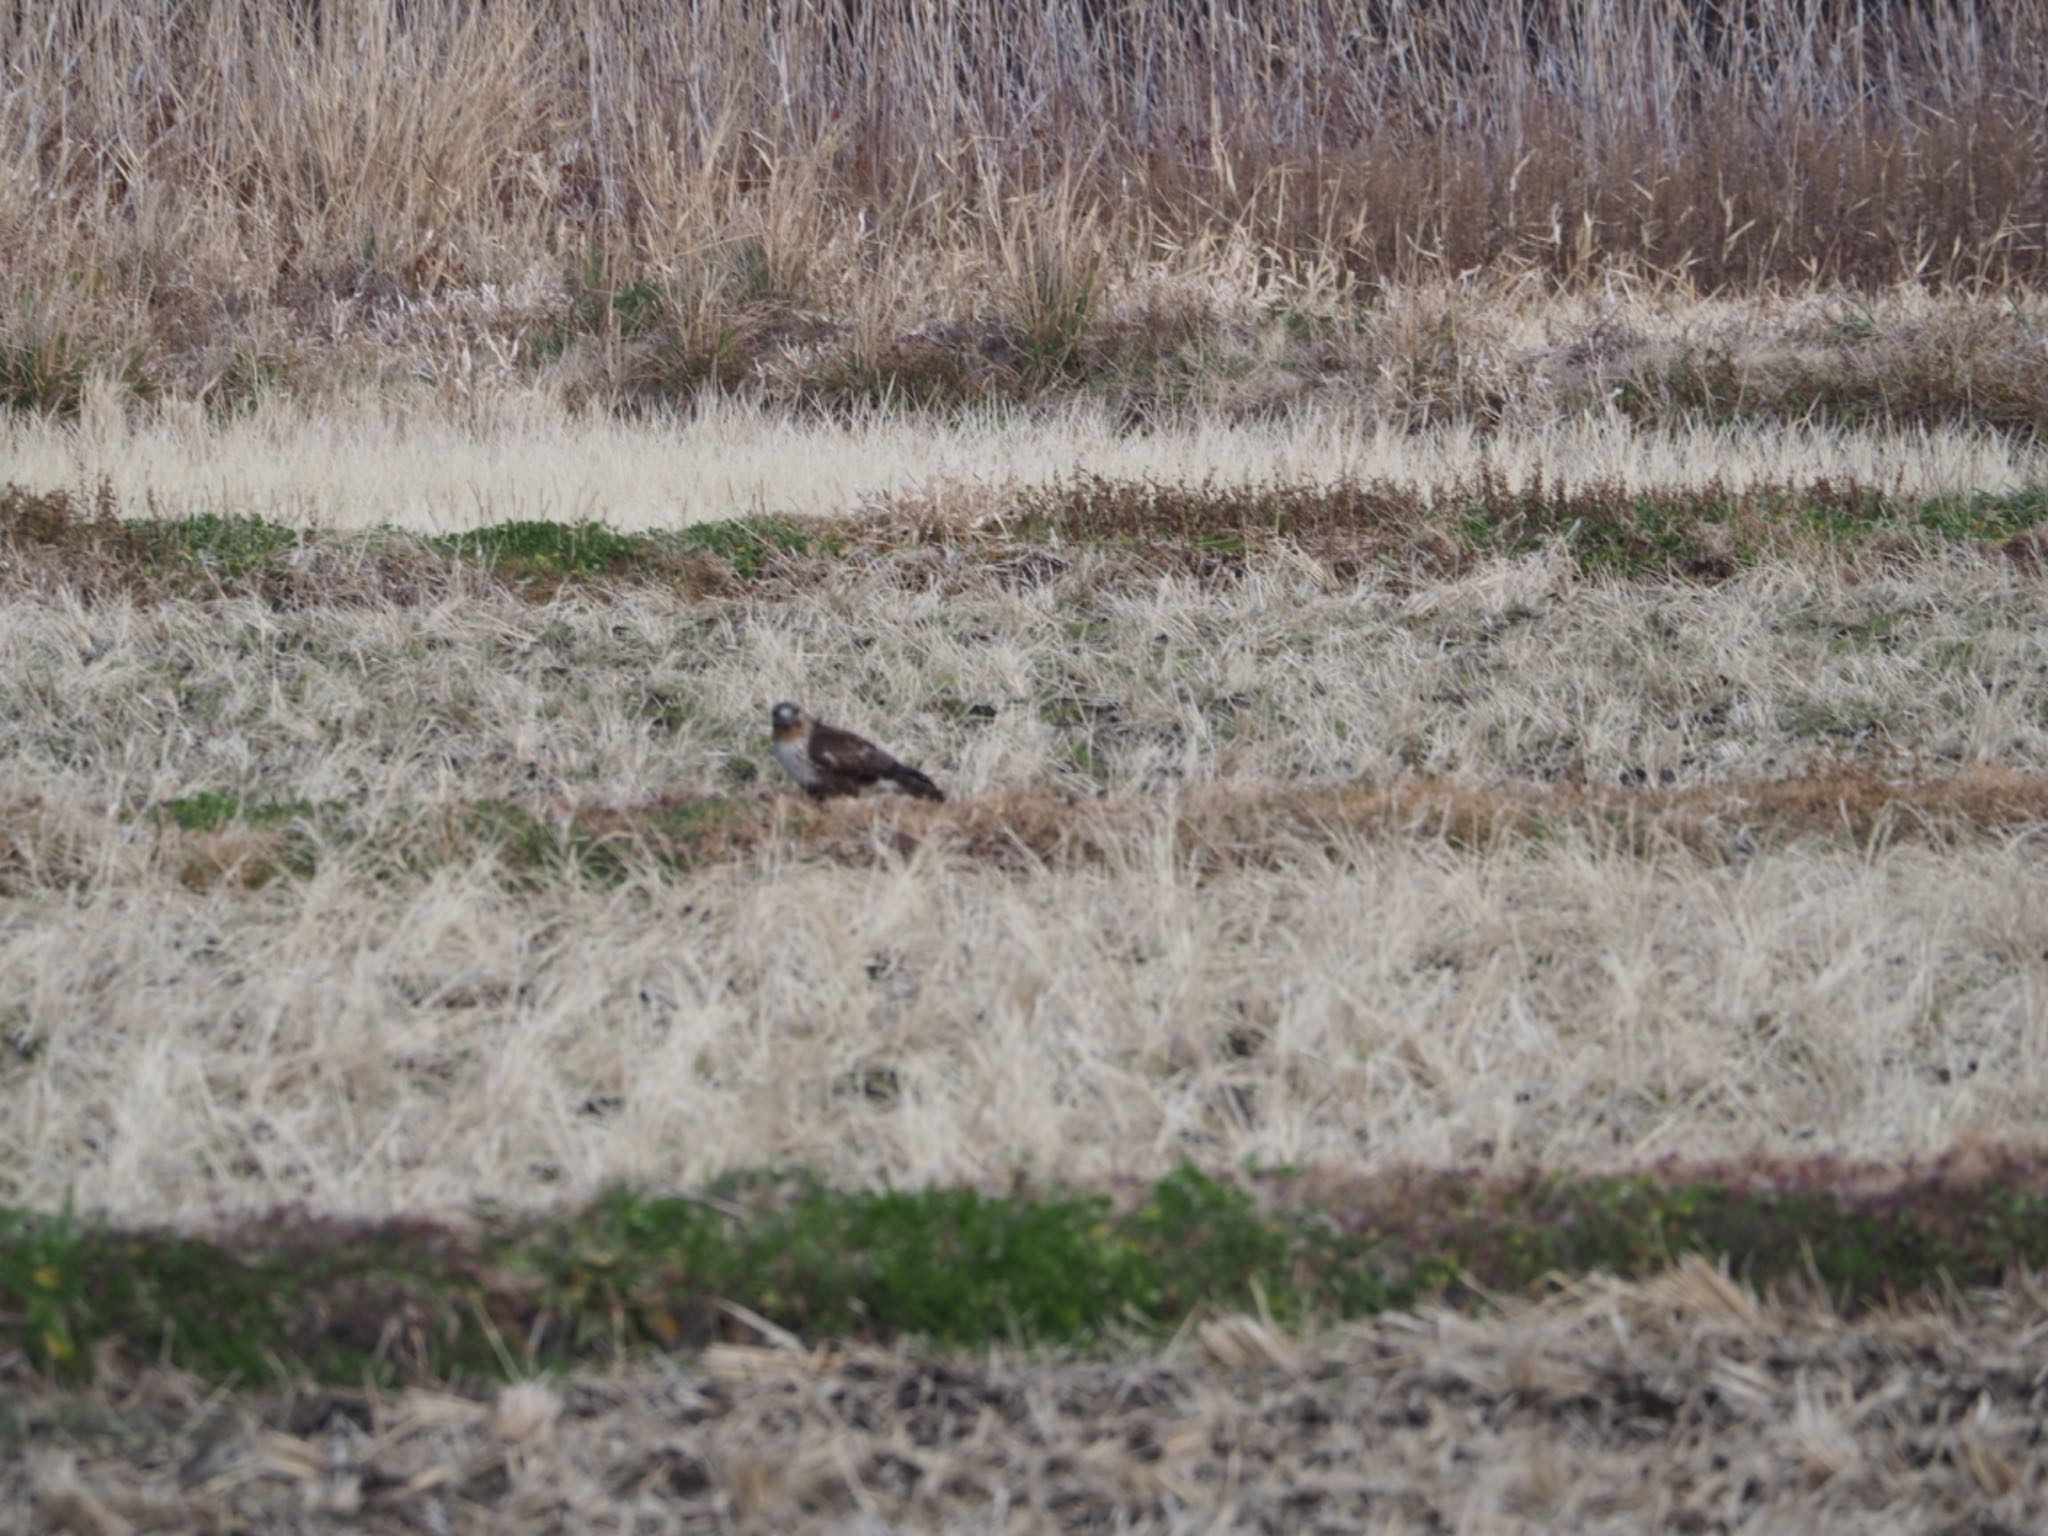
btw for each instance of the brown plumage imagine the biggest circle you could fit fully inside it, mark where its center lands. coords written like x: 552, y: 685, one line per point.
x: 827, y: 761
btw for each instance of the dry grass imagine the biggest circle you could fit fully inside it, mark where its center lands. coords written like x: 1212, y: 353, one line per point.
x: 1684, y: 1404
x: 211, y: 839
x: 741, y: 168
x: 369, y: 1040
x: 1278, y: 677
x: 1216, y: 830
x: 375, y: 1046
x: 1899, y: 391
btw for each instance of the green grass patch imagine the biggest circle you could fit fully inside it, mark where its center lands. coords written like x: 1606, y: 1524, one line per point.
x: 1714, y: 531
x: 290, y: 1295
x: 559, y: 553
x: 1704, y: 533
x: 43, y: 375
x: 551, y: 551
x: 229, y: 547
x: 279, y: 837
x: 749, y: 544
x: 1983, y: 514
x: 601, y: 846
x: 52, y: 537
x: 527, y: 846
x: 45, y: 369
x: 209, y: 811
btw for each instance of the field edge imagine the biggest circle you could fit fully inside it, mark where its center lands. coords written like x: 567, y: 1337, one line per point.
x: 291, y: 1295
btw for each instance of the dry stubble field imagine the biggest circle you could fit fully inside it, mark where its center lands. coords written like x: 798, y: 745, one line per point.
x: 1244, y: 953
x: 1460, y: 636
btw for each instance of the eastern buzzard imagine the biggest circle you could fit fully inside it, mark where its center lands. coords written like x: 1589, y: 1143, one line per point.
x: 827, y: 761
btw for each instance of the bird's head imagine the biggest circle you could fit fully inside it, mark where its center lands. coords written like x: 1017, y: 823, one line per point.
x: 787, y: 717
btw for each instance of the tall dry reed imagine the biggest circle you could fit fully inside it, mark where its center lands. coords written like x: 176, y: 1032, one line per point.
x: 194, y: 156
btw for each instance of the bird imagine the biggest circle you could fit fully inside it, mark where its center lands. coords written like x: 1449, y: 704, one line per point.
x: 827, y: 761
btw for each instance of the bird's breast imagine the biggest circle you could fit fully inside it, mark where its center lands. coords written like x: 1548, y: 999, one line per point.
x: 796, y: 761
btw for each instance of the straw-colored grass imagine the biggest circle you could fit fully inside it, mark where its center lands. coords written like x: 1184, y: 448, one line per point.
x: 1281, y: 677
x: 367, y: 1037
x: 1906, y: 392
x: 358, y: 468
x: 372, y: 1046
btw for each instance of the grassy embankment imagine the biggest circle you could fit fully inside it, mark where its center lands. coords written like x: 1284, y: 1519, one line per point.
x: 279, y: 1300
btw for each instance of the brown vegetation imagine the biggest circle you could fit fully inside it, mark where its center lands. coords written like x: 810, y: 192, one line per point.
x: 1217, y: 827
x: 975, y: 201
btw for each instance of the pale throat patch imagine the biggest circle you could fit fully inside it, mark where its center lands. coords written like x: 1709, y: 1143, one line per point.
x: 793, y: 756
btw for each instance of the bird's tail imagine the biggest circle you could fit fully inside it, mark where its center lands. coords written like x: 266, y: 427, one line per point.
x: 916, y: 783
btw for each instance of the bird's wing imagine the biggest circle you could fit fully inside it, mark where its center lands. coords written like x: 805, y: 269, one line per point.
x: 838, y: 751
